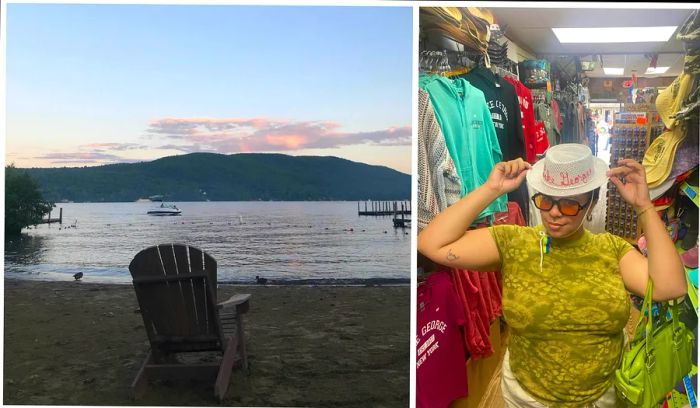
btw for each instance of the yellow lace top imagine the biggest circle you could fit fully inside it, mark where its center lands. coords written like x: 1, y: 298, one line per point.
x: 566, y: 317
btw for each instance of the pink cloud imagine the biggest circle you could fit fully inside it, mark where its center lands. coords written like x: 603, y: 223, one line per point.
x: 234, y: 135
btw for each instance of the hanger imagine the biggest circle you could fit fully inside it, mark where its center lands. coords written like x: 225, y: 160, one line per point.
x: 434, y: 62
x: 459, y: 71
x: 463, y: 61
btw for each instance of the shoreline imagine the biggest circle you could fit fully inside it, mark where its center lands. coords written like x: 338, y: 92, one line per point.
x: 331, y: 282
x: 69, y: 343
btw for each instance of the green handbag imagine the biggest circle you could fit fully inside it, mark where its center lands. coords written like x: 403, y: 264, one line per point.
x: 653, y: 364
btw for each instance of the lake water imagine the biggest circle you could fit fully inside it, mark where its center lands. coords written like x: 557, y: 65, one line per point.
x: 285, y: 242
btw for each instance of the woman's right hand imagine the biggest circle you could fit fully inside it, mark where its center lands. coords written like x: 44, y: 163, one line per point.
x: 507, y: 176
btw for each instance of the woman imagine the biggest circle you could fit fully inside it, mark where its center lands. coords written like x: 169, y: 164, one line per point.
x: 564, y: 289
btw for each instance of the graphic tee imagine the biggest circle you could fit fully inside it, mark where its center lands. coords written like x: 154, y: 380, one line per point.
x: 502, y: 101
x: 527, y: 116
x: 567, y: 318
x: 503, y: 104
x: 541, y: 141
x: 441, y: 372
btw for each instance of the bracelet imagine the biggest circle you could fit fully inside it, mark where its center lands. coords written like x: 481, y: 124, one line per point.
x: 639, y: 214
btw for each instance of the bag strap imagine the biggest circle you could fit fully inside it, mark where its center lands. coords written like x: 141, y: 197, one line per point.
x: 648, y: 339
x: 648, y: 327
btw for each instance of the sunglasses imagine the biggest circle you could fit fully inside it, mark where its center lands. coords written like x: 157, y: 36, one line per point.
x: 567, y: 206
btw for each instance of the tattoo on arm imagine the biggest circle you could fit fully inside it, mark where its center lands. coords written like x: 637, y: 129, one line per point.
x: 451, y: 256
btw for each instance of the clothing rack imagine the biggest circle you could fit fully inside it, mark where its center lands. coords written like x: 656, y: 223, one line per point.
x: 503, y: 72
x: 434, y: 62
x: 450, y: 63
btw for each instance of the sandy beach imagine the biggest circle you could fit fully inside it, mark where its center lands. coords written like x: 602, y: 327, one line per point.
x: 77, y: 343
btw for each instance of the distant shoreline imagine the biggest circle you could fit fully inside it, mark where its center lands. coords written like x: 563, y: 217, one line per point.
x: 353, y: 282
x: 218, y: 177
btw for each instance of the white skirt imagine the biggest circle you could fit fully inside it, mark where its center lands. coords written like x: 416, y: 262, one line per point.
x: 516, y: 397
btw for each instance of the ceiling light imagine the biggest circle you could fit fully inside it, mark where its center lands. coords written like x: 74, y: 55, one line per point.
x: 613, y: 71
x: 657, y: 70
x: 614, y: 34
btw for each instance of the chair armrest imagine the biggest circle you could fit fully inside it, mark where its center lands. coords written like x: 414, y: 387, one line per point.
x: 240, y: 301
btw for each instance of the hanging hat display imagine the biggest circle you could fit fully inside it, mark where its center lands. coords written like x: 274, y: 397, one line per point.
x: 670, y: 100
x: 452, y: 23
x: 686, y: 156
x: 659, y: 157
x: 689, y: 33
x: 660, y: 190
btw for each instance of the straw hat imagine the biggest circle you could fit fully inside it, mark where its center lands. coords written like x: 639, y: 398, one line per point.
x: 567, y: 169
x: 684, y: 163
x: 659, y: 157
x: 670, y: 100
x: 454, y: 12
x: 452, y: 23
x: 482, y: 13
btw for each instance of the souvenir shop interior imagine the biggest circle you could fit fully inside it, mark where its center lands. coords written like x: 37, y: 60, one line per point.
x: 548, y: 76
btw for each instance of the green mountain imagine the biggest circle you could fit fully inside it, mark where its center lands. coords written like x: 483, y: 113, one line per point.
x: 218, y: 177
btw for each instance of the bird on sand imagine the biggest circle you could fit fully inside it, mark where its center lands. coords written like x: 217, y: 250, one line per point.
x: 78, y: 275
x: 260, y: 281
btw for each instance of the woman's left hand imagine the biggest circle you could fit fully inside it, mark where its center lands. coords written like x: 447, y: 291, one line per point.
x: 634, y: 189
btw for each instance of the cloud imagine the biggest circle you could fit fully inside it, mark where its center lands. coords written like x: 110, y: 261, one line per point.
x: 93, y: 153
x: 234, y: 135
x: 101, y: 147
x: 83, y: 158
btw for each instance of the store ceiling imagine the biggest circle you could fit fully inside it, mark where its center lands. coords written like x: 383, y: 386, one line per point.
x: 530, y: 28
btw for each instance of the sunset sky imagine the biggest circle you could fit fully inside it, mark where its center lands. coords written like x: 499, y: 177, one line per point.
x: 100, y: 84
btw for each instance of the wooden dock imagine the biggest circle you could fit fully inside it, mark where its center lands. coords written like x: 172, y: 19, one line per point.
x: 402, y: 222
x: 377, y: 208
x: 50, y: 220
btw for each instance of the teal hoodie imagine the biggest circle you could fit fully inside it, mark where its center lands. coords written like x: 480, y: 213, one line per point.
x: 469, y: 132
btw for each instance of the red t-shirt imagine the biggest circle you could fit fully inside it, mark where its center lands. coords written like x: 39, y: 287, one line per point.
x: 527, y: 113
x: 441, y: 372
x: 541, y: 141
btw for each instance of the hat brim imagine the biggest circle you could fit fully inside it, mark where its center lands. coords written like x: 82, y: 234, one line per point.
x: 657, y: 192
x: 534, y: 180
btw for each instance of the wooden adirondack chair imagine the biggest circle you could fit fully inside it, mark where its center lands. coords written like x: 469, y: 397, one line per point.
x: 176, y: 289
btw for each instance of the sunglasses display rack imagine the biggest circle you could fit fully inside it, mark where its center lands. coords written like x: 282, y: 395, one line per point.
x: 630, y: 139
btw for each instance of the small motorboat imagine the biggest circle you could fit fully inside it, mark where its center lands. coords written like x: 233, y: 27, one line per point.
x: 165, y: 209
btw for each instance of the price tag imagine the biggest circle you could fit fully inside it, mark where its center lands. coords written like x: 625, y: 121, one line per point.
x: 689, y: 191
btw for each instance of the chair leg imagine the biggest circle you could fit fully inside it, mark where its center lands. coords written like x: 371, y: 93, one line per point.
x: 140, y: 383
x: 224, y: 377
x: 241, y: 342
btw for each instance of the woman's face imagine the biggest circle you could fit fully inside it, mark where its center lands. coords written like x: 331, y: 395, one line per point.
x: 559, y: 225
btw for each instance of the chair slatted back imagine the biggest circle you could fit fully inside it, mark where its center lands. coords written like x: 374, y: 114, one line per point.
x: 176, y: 289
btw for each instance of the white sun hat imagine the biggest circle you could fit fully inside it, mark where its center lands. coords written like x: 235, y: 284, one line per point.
x: 657, y: 192
x: 567, y: 169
